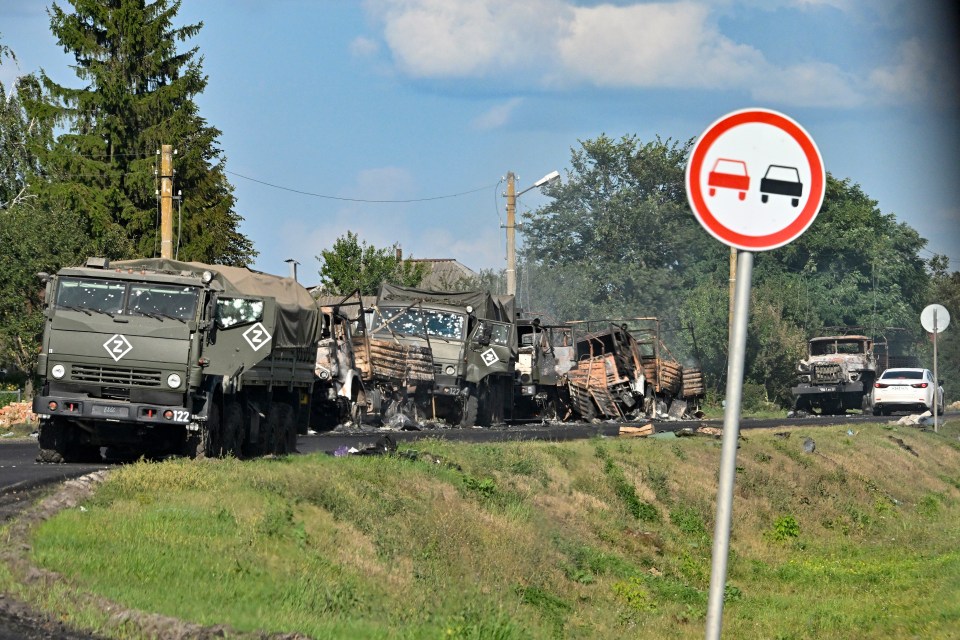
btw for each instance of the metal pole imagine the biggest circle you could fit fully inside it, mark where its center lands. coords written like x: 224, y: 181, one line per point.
x: 936, y: 380
x: 166, y: 201
x: 733, y: 283
x: 511, y: 234
x: 731, y: 433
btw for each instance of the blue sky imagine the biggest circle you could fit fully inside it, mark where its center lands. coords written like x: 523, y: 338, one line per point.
x: 410, y: 100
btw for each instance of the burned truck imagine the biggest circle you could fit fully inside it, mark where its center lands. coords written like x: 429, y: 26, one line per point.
x: 545, y: 356
x: 837, y: 375
x: 156, y: 356
x: 471, y: 340
x: 623, y: 370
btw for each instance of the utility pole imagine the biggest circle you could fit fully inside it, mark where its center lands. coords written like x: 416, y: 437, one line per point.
x: 511, y: 234
x: 166, y: 201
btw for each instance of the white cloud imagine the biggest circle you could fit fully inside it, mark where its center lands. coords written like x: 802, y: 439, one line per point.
x: 653, y: 45
x: 362, y: 47
x: 558, y: 45
x: 810, y: 85
x: 921, y: 74
x: 498, y: 115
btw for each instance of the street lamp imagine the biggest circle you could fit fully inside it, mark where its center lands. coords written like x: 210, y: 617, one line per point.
x: 512, y: 196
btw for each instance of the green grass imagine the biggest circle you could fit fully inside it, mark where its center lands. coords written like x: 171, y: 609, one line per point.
x: 593, y: 539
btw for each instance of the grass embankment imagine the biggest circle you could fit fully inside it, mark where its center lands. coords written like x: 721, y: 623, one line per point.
x: 605, y: 538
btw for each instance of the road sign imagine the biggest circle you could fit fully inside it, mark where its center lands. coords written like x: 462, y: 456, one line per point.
x: 935, y: 318
x: 755, y: 180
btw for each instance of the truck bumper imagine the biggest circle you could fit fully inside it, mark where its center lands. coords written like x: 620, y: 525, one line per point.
x: 821, y: 389
x: 111, y: 410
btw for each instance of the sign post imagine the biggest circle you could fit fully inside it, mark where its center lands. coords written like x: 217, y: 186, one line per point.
x: 935, y: 319
x: 745, y: 211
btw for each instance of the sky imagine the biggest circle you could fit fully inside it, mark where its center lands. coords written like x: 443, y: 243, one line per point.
x: 399, y: 120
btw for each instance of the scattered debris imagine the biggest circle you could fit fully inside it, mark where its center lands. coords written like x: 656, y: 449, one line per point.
x: 17, y: 413
x: 385, y: 444
x: 922, y: 419
x: 636, y: 432
x: 782, y: 435
x: 903, y: 445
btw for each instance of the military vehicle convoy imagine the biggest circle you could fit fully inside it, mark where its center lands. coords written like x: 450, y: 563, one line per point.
x: 156, y: 356
x: 160, y: 357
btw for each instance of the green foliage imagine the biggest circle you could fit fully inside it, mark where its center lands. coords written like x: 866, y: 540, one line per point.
x: 619, y: 241
x: 138, y: 93
x: 784, y: 528
x: 354, y: 266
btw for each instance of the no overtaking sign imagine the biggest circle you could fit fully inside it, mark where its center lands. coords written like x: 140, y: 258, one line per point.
x: 755, y: 180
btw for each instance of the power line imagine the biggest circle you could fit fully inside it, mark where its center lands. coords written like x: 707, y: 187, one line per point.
x: 327, y: 197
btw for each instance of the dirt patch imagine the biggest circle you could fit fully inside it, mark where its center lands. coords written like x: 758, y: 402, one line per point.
x: 19, y: 620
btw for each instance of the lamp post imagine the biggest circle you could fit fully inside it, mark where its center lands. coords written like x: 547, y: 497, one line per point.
x: 511, y: 226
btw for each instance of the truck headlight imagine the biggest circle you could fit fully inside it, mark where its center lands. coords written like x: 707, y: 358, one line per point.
x: 58, y: 371
x: 173, y: 380
x: 450, y: 370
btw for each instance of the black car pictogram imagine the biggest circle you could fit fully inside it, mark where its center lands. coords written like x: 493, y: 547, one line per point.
x: 782, y: 181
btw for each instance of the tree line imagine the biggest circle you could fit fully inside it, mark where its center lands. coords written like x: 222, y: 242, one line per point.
x: 78, y: 177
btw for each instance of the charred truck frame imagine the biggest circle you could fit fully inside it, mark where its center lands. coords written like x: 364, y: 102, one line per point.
x: 471, y: 338
x: 157, y: 356
x: 545, y: 356
x: 836, y: 375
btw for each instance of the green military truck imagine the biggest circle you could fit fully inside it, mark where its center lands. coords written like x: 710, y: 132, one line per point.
x: 472, y: 340
x: 156, y: 356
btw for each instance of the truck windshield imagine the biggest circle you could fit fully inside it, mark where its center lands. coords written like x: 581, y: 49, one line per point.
x: 442, y: 324
x: 127, y: 298
x: 169, y: 301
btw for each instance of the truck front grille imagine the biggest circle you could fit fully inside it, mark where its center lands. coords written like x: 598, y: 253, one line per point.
x: 115, y: 376
x: 826, y: 372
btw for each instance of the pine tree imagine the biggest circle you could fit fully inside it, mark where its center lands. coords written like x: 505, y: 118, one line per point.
x: 138, y: 94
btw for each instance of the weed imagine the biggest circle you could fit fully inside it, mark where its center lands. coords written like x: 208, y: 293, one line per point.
x: 784, y: 528
x: 688, y: 520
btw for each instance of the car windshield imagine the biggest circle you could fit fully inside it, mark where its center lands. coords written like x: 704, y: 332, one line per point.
x: 902, y: 375
x: 441, y: 324
x: 114, y: 297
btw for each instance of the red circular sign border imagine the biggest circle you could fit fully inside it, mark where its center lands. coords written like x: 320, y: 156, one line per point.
x: 702, y: 211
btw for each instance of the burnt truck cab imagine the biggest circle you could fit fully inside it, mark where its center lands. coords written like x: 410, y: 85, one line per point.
x: 135, y: 354
x: 472, y: 343
x: 545, y: 353
x: 836, y: 375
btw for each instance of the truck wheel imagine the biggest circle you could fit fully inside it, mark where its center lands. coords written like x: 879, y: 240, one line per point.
x: 468, y: 413
x: 51, y: 439
x: 59, y: 444
x: 234, y: 428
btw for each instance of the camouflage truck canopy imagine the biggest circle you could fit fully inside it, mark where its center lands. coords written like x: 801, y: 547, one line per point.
x: 297, y: 314
x: 500, y: 308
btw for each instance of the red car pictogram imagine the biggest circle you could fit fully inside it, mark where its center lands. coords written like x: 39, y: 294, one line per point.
x: 729, y: 174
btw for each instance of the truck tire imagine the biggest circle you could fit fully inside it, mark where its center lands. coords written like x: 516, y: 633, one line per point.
x: 468, y: 412
x: 234, y: 428
x: 60, y: 444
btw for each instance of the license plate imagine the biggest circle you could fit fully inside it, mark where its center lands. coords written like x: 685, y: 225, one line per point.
x: 110, y: 411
